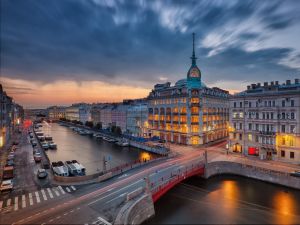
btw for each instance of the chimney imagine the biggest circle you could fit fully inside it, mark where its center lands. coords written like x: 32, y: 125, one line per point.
x: 288, y: 82
x: 276, y: 82
x: 253, y: 86
x: 258, y: 84
x: 265, y: 84
x: 248, y: 87
x: 297, y: 81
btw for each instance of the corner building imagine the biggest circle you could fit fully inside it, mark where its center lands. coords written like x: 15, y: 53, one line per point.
x: 189, y: 112
x: 265, y: 121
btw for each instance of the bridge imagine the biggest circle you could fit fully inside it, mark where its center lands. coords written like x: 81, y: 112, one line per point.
x: 126, y: 199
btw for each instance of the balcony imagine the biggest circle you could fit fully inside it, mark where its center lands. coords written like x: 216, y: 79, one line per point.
x: 267, y: 133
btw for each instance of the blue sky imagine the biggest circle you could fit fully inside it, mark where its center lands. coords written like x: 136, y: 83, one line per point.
x: 143, y: 42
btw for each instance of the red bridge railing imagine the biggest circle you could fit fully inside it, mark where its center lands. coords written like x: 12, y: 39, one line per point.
x: 160, y: 190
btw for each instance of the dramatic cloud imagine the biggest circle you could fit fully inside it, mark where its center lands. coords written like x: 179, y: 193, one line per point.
x: 142, y: 42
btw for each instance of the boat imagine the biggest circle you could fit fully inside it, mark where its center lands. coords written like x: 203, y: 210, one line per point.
x: 75, y: 168
x: 45, y: 145
x: 60, y: 169
x: 90, y: 133
x: 48, y: 138
x: 82, y: 132
x: 109, y: 139
x: 98, y: 136
x: 41, y: 138
x: 52, y: 145
x: 80, y: 167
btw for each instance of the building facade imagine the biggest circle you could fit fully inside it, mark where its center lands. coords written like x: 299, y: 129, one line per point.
x: 188, y: 112
x: 119, y: 116
x: 79, y: 112
x: 265, y: 121
x: 56, y: 112
x: 137, y: 120
x: 106, y: 116
x: 11, y: 116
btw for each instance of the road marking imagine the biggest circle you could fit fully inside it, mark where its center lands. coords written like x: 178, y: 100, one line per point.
x: 101, y: 221
x: 62, y: 190
x: 50, y: 193
x: 8, y: 203
x: 37, y: 197
x: 30, y: 199
x: 56, y: 192
x: 121, y: 195
x: 23, y: 201
x: 114, y: 192
x: 16, y: 204
x: 74, y: 189
x: 68, y: 189
x: 44, y: 195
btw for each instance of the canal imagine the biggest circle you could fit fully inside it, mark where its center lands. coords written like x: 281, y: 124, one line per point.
x: 228, y: 200
x: 89, y: 151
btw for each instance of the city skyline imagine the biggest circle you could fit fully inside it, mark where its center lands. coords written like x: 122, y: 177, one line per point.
x: 63, y: 52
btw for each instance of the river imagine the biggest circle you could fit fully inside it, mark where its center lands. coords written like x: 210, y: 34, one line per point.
x: 89, y: 151
x: 228, y: 200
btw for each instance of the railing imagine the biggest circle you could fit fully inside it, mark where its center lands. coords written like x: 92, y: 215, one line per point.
x: 160, y: 189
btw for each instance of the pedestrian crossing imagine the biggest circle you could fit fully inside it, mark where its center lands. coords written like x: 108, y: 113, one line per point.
x: 36, y: 197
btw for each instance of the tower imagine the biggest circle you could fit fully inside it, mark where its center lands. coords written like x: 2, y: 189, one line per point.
x: 194, y: 73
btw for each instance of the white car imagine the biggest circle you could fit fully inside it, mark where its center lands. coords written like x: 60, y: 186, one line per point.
x: 6, y: 185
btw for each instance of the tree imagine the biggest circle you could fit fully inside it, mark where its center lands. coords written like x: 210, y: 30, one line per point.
x: 118, y: 131
x: 98, y: 126
x: 89, y: 124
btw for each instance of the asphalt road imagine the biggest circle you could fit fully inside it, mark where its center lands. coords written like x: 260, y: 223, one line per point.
x: 88, y: 203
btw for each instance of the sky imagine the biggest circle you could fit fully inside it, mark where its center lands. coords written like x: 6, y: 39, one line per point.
x: 60, y: 52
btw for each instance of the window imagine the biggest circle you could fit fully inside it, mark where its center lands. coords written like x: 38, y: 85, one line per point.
x: 256, y: 138
x: 257, y: 115
x: 283, y: 128
x: 249, y: 104
x: 282, y: 153
x: 234, y: 125
x: 283, y: 141
x: 273, y: 103
x: 241, y: 104
x: 241, y: 126
x: 250, y: 126
x: 264, y: 115
x: 272, y: 115
x: 283, y: 103
x: 234, y: 104
x: 283, y: 116
x: 250, y: 137
x: 234, y: 135
x: 266, y: 103
x: 269, y: 104
x: 292, y: 103
x: 293, y: 129
x: 256, y: 127
x: 241, y: 136
x: 292, y: 116
x: 292, y: 155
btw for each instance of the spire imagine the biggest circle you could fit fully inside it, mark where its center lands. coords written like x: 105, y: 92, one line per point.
x: 194, y: 58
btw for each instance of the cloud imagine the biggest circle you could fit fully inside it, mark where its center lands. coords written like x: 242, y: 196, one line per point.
x: 139, y: 42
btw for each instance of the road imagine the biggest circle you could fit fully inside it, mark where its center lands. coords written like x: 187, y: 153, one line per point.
x: 87, y: 204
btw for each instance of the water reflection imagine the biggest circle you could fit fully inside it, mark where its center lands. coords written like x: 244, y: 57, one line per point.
x: 228, y: 200
x: 89, y: 151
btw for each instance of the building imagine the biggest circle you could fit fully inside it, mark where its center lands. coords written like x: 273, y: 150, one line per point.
x: 78, y: 112
x: 11, y: 116
x: 265, y: 121
x: 188, y: 112
x: 56, y: 112
x: 119, y: 116
x: 106, y: 116
x: 137, y: 120
x: 96, y: 114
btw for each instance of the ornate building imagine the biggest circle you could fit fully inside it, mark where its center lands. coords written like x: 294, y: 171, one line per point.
x: 188, y: 112
x: 265, y: 121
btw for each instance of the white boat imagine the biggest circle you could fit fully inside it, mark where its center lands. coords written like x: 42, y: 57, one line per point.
x: 48, y: 138
x: 45, y: 145
x: 79, y: 167
x: 123, y: 143
x: 52, y: 145
x: 82, y: 132
x: 60, y: 169
x: 98, y: 136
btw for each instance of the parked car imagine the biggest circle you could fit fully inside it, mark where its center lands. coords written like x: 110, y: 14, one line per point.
x: 8, y: 172
x: 34, y: 143
x: 6, y: 185
x: 42, y: 173
x: 10, y: 163
x: 46, y: 165
x: 10, y: 156
x: 37, y: 157
x: 295, y: 173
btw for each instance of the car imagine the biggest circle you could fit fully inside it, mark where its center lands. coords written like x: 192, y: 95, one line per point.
x: 6, y: 185
x: 10, y: 163
x: 34, y: 143
x: 42, y: 173
x: 15, y: 142
x: 10, y: 157
x: 296, y: 173
x: 46, y: 165
x: 37, y: 157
